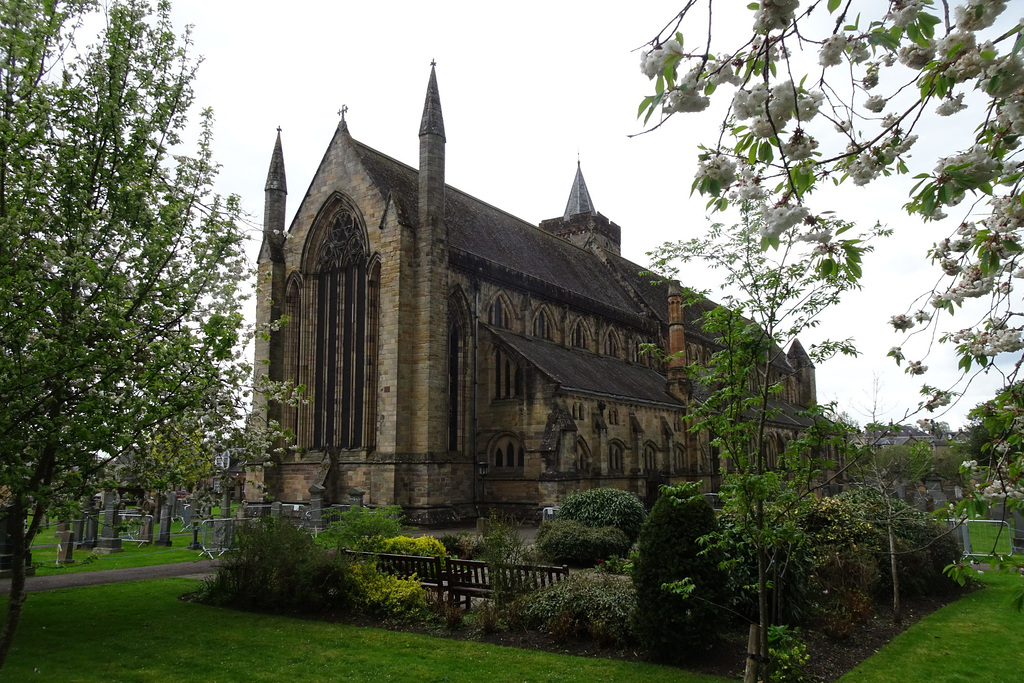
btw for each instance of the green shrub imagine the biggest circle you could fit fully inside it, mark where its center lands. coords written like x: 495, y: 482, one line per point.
x: 586, y: 603
x: 386, y: 595
x: 605, y: 507
x: 504, y: 548
x: 357, y: 524
x: 792, y: 597
x: 566, y: 540
x: 277, y: 567
x: 427, y: 546
x: 788, y: 654
x: 463, y: 545
x: 669, y: 624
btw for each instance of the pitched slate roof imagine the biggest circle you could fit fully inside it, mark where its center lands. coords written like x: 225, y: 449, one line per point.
x: 580, y: 370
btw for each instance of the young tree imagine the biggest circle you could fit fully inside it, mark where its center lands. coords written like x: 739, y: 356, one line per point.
x: 770, y: 300
x: 119, y: 268
x: 815, y: 100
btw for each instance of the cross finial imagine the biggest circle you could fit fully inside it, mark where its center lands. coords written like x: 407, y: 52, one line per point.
x: 341, y: 112
x: 433, y: 63
x: 279, y: 129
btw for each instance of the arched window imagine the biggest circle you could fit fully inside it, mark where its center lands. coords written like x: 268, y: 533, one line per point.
x: 615, y: 456
x: 582, y: 455
x: 498, y: 315
x: 679, y: 459
x: 292, y: 343
x: 541, y: 326
x: 508, y: 380
x: 579, y: 335
x: 650, y: 458
x: 344, y: 344
x: 611, y: 344
x: 508, y: 453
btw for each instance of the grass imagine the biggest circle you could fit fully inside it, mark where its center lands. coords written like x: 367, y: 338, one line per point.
x: 977, y: 638
x: 140, y: 632
x: 44, y: 555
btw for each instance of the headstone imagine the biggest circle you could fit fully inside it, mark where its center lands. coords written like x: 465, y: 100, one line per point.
x: 186, y: 517
x: 164, y: 535
x: 223, y: 534
x: 146, y: 529
x: 110, y: 538
x: 78, y: 529
x: 65, y: 547
x: 355, y: 496
x: 275, y: 509
x: 316, y: 505
x: 91, y: 515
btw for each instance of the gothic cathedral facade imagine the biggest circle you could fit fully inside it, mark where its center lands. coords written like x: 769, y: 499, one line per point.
x: 455, y: 359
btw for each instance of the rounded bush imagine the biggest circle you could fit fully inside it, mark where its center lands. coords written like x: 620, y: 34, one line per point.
x: 605, y: 507
x: 426, y: 546
x: 565, y: 540
x: 670, y: 625
x: 587, y: 603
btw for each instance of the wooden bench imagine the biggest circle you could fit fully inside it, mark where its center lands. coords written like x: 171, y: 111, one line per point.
x: 429, y: 571
x: 468, y: 579
x: 461, y: 580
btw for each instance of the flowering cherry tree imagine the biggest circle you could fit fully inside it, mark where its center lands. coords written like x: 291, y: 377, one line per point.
x: 834, y: 92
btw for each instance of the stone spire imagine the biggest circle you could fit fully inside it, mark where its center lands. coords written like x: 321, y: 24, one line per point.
x: 579, y: 197
x: 275, y: 175
x: 275, y: 193
x: 432, y: 121
x: 431, y: 174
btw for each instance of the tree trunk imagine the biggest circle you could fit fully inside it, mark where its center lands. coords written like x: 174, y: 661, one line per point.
x: 16, y: 598
x: 762, y: 600
x: 897, y: 616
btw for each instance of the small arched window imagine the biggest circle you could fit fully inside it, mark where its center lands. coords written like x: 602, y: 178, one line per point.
x: 611, y: 345
x: 508, y: 453
x: 615, y: 457
x: 498, y: 315
x: 579, y: 336
x: 650, y: 458
x: 541, y: 326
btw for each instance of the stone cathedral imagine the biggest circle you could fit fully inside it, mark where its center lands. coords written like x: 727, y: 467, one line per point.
x: 456, y: 359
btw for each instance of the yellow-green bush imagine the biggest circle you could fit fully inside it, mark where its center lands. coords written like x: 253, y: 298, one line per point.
x: 388, y: 595
x: 404, y: 545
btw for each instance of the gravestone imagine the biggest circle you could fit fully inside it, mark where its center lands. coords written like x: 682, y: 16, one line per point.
x: 275, y: 509
x: 186, y: 517
x: 166, y: 512
x: 91, y: 524
x: 65, y: 547
x: 146, y: 529
x: 355, y: 496
x: 316, y: 505
x: 109, y: 541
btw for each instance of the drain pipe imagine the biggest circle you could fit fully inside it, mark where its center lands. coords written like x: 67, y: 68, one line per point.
x: 475, y: 391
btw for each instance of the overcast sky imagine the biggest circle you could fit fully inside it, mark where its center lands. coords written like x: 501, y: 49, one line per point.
x: 526, y: 89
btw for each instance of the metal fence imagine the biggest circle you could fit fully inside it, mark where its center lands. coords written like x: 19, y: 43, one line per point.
x: 985, y: 537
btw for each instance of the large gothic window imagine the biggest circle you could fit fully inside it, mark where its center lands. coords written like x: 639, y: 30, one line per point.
x: 541, y: 326
x: 341, y: 358
x: 498, y: 315
x: 508, y: 453
x: 508, y: 381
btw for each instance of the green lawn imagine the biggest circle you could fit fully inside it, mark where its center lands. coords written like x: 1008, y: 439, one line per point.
x: 977, y: 638
x: 140, y: 631
x: 44, y: 554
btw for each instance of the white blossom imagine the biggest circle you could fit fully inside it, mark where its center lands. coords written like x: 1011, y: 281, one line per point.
x: 978, y: 15
x: 831, y: 52
x: 904, y: 12
x: 875, y: 103
x: 774, y: 14
x: 779, y: 219
x: 951, y: 105
x: 719, y: 168
x: 916, y: 56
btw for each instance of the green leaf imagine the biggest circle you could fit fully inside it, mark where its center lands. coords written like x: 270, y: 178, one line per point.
x: 833, y: 5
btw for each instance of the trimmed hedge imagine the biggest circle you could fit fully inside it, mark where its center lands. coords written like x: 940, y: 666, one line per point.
x: 605, y: 507
x: 601, y: 606
x: 670, y: 625
x: 565, y: 540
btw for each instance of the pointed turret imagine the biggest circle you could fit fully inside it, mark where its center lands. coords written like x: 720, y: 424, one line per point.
x: 275, y: 193
x: 579, y: 197
x: 432, y: 141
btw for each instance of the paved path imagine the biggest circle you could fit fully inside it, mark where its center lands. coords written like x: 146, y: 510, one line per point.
x: 190, y: 570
